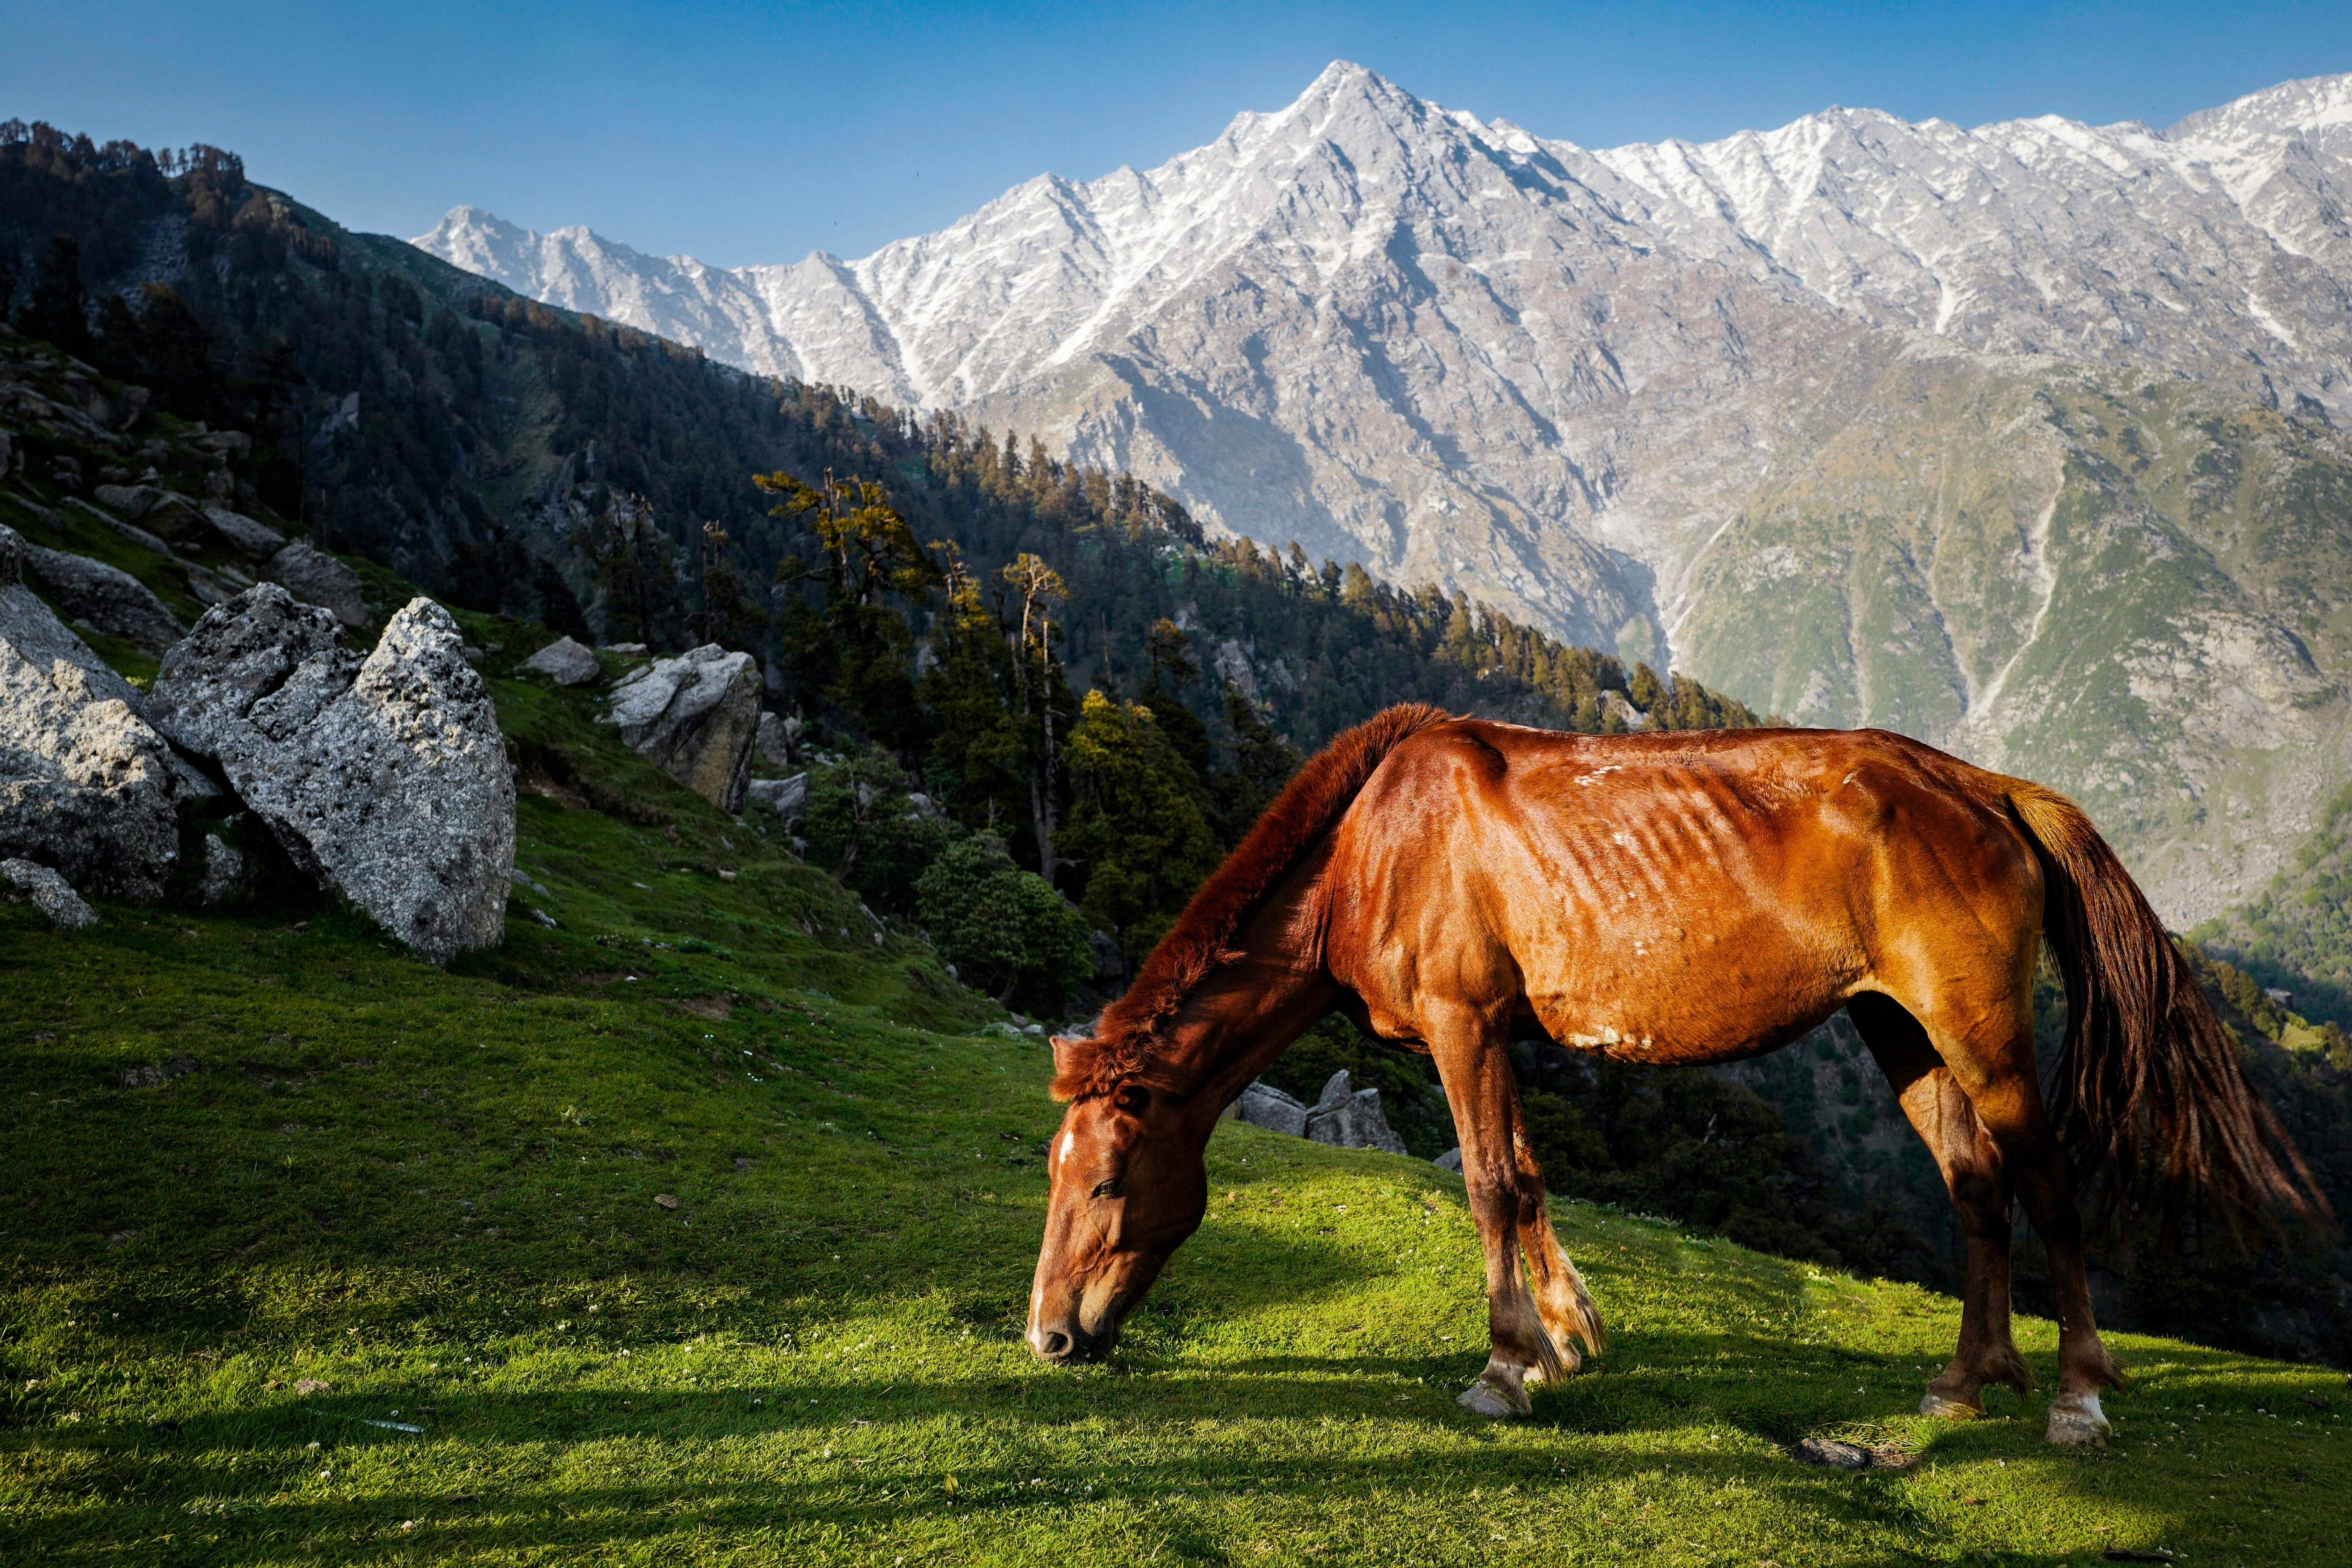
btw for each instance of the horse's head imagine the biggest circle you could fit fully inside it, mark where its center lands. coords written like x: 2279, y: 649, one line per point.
x: 1128, y: 1186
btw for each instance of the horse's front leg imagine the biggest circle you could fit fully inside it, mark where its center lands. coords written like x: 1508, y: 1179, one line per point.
x: 1474, y: 1061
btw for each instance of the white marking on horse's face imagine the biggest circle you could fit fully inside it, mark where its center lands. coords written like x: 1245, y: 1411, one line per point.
x: 1069, y: 1141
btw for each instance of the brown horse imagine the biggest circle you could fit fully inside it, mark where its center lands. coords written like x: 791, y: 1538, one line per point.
x: 1688, y: 897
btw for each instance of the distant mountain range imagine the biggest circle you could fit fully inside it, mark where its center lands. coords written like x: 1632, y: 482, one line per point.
x: 2016, y: 438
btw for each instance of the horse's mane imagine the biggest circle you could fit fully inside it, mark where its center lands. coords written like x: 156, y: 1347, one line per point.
x: 1199, y: 941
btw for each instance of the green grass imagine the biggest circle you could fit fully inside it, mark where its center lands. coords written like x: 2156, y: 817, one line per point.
x: 437, y: 1193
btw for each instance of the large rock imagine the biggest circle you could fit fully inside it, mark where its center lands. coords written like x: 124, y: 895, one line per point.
x: 695, y: 716
x: 1264, y: 1105
x: 86, y: 786
x: 787, y: 797
x: 314, y: 577
x: 385, y: 777
x: 108, y: 597
x: 1351, y: 1118
x: 566, y: 663
x: 775, y: 740
x: 258, y: 540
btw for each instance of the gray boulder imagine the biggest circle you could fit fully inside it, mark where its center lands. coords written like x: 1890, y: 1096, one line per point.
x: 1264, y: 1105
x: 130, y: 501
x: 39, y: 635
x: 314, y: 577
x: 86, y: 786
x: 240, y: 651
x: 1351, y: 1118
x: 775, y: 739
x: 50, y: 892
x: 108, y: 597
x: 787, y: 797
x: 566, y: 663
x: 258, y: 540
x: 224, y: 871
x: 1451, y: 1160
x: 695, y: 716
x: 385, y: 777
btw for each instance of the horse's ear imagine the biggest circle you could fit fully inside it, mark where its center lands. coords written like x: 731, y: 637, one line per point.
x: 1066, y: 1060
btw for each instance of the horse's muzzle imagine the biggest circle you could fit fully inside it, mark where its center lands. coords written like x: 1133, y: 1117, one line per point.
x: 1067, y: 1343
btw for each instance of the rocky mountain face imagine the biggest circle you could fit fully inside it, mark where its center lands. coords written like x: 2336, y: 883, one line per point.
x: 2016, y: 438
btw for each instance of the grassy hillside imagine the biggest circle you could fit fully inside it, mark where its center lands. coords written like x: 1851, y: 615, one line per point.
x: 698, y: 1229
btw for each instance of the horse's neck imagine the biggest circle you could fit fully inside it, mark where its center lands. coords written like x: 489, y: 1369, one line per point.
x: 1242, y: 1018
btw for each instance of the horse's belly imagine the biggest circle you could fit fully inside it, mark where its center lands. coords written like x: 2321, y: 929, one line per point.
x: 1665, y: 1004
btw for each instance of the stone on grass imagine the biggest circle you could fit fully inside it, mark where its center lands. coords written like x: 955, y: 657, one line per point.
x: 566, y: 663
x: 48, y: 893
x: 787, y: 797
x: 1351, y: 1118
x: 695, y: 716
x: 385, y: 777
x: 1264, y: 1105
x: 1451, y: 1160
x: 108, y: 597
x: 314, y: 577
x: 224, y: 871
x: 1828, y: 1451
x: 258, y: 540
x: 88, y: 787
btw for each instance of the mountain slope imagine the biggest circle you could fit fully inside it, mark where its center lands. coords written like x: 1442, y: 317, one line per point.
x: 291, y: 1279
x: 1858, y: 420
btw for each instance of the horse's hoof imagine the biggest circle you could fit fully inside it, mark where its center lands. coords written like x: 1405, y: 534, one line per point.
x: 2076, y: 1418
x: 1486, y: 1399
x: 1497, y: 1394
x: 1949, y: 1409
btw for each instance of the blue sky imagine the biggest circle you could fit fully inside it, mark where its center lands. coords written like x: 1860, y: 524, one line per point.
x: 758, y: 132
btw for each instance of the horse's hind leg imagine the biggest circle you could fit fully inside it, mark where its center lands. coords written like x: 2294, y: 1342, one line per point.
x: 2007, y: 1101
x: 1560, y: 1297
x: 1974, y: 1174
x: 1473, y: 1062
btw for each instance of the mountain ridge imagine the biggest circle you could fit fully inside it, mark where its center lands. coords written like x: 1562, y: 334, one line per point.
x: 1651, y: 397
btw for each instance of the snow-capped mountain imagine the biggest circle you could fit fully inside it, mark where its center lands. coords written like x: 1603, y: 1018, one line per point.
x: 1811, y: 412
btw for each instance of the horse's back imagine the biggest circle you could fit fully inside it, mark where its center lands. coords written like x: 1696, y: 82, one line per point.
x: 1689, y: 895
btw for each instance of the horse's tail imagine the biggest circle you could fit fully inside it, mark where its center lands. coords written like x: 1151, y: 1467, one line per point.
x: 2149, y: 1091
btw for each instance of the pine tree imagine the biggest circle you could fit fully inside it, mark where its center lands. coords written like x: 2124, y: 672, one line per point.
x: 854, y: 651
x: 1043, y: 693
x: 1139, y: 822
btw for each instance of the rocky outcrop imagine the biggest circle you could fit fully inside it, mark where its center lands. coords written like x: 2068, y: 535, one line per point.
x: 47, y: 892
x: 1343, y: 1116
x: 108, y: 597
x: 86, y: 786
x: 314, y: 577
x: 384, y: 777
x: 695, y: 716
x: 566, y: 663
x: 1351, y: 1118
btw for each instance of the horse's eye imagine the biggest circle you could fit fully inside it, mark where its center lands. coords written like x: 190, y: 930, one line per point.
x: 1110, y: 1188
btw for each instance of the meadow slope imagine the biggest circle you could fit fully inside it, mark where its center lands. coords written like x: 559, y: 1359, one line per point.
x: 699, y: 1229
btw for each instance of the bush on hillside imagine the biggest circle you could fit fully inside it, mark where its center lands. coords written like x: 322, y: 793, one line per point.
x: 1006, y: 932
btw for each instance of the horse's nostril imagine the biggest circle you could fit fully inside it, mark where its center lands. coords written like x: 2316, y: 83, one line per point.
x: 1057, y: 1344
